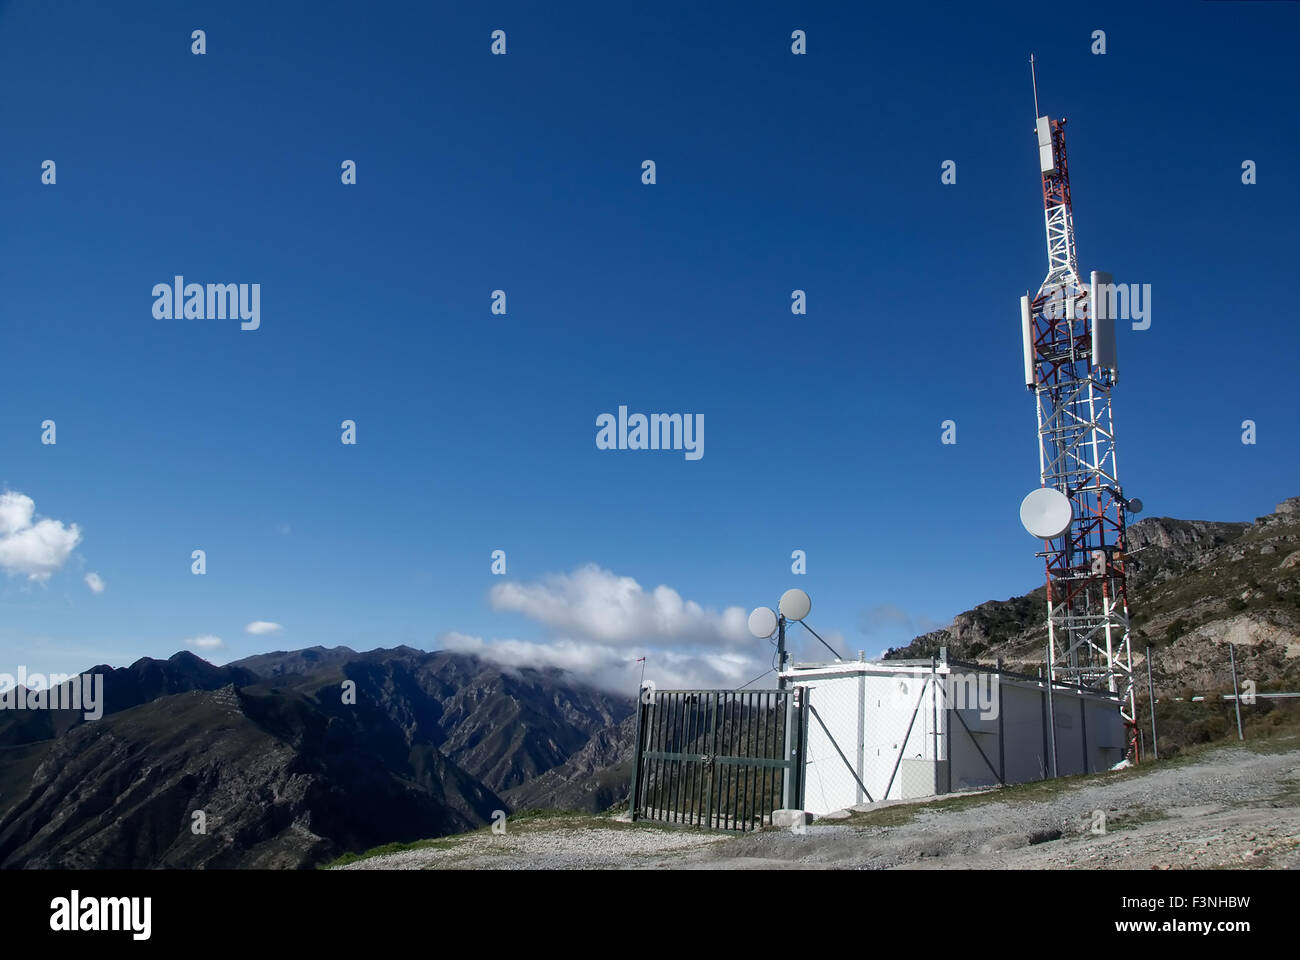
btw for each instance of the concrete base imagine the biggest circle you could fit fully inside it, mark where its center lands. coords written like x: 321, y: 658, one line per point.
x: 788, y: 818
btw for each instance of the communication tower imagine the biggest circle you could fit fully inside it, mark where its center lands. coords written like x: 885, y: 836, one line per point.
x: 1080, y: 511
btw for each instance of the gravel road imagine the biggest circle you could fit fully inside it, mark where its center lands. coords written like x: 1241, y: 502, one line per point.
x: 1231, y: 808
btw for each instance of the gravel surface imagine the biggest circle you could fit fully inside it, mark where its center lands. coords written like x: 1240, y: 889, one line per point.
x: 559, y: 843
x: 1231, y: 808
x: 1234, y: 808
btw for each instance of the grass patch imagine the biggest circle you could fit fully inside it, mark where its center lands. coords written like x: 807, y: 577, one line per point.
x: 1133, y: 818
x: 1031, y: 792
x: 1276, y: 743
x: 538, y: 813
x: 441, y: 843
x: 895, y: 816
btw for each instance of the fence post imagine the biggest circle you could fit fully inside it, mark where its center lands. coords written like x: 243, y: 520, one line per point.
x: 715, y: 782
x: 804, y: 694
x: 1083, y: 729
x: 1151, y: 698
x: 860, y: 756
x: 636, y: 760
x: 934, y: 718
x: 790, y: 787
x: 1002, y: 740
x: 1051, y: 706
x: 1236, y: 698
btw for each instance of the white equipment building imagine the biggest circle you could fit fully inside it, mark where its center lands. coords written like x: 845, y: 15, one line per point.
x: 904, y: 729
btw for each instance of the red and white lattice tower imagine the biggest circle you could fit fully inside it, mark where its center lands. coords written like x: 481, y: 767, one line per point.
x: 1070, y: 365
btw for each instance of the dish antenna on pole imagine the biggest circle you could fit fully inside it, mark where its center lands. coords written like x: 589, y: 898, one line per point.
x: 762, y: 622
x: 795, y: 604
x: 1046, y: 513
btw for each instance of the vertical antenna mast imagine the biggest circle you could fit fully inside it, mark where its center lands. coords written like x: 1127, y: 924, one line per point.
x: 1034, y: 77
x: 1070, y: 365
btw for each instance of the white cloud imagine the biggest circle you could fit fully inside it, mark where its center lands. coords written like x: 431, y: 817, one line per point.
x: 262, y: 627
x: 95, y: 582
x: 205, y: 642
x: 31, y: 547
x: 603, y: 622
x: 598, y: 605
x: 611, y: 668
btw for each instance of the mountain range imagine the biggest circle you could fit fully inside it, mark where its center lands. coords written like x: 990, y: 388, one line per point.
x: 289, y: 758
x: 292, y: 758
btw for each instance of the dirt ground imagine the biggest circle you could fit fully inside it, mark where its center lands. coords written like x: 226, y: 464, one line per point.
x: 1232, y: 807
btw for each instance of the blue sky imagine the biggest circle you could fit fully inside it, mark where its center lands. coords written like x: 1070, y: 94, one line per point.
x: 522, y: 172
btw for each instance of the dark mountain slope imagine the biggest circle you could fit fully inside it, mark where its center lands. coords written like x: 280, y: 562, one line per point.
x: 595, y: 778
x: 502, y: 726
x: 284, y: 781
x: 288, y: 770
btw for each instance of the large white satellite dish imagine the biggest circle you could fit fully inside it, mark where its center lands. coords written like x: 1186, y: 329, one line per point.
x: 762, y: 622
x: 1046, y: 513
x: 795, y: 604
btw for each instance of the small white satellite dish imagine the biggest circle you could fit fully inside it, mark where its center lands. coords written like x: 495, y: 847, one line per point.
x: 1046, y: 513
x: 795, y: 604
x: 762, y: 622
x: 1135, y: 505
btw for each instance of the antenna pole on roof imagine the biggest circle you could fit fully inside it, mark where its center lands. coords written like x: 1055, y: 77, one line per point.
x: 780, y: 651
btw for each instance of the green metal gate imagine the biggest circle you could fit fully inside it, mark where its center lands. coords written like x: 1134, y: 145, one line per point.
x: 719, y: 759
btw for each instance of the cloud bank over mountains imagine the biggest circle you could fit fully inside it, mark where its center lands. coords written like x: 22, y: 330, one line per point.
x: 601, y: 623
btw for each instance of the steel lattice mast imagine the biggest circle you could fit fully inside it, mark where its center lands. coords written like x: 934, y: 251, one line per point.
x: 1070, y: 366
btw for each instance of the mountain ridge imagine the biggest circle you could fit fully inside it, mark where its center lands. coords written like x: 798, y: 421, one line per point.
x: 290, y: 765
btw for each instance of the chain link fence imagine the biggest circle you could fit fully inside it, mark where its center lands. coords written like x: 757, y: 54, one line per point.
x: 1251, y: 696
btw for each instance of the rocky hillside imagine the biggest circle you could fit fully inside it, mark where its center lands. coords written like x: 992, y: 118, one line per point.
x: 1194, y: 587
x: 279, y: 780
x: 593, y: 779
x: 293, y: 758
x: 503, y: 726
